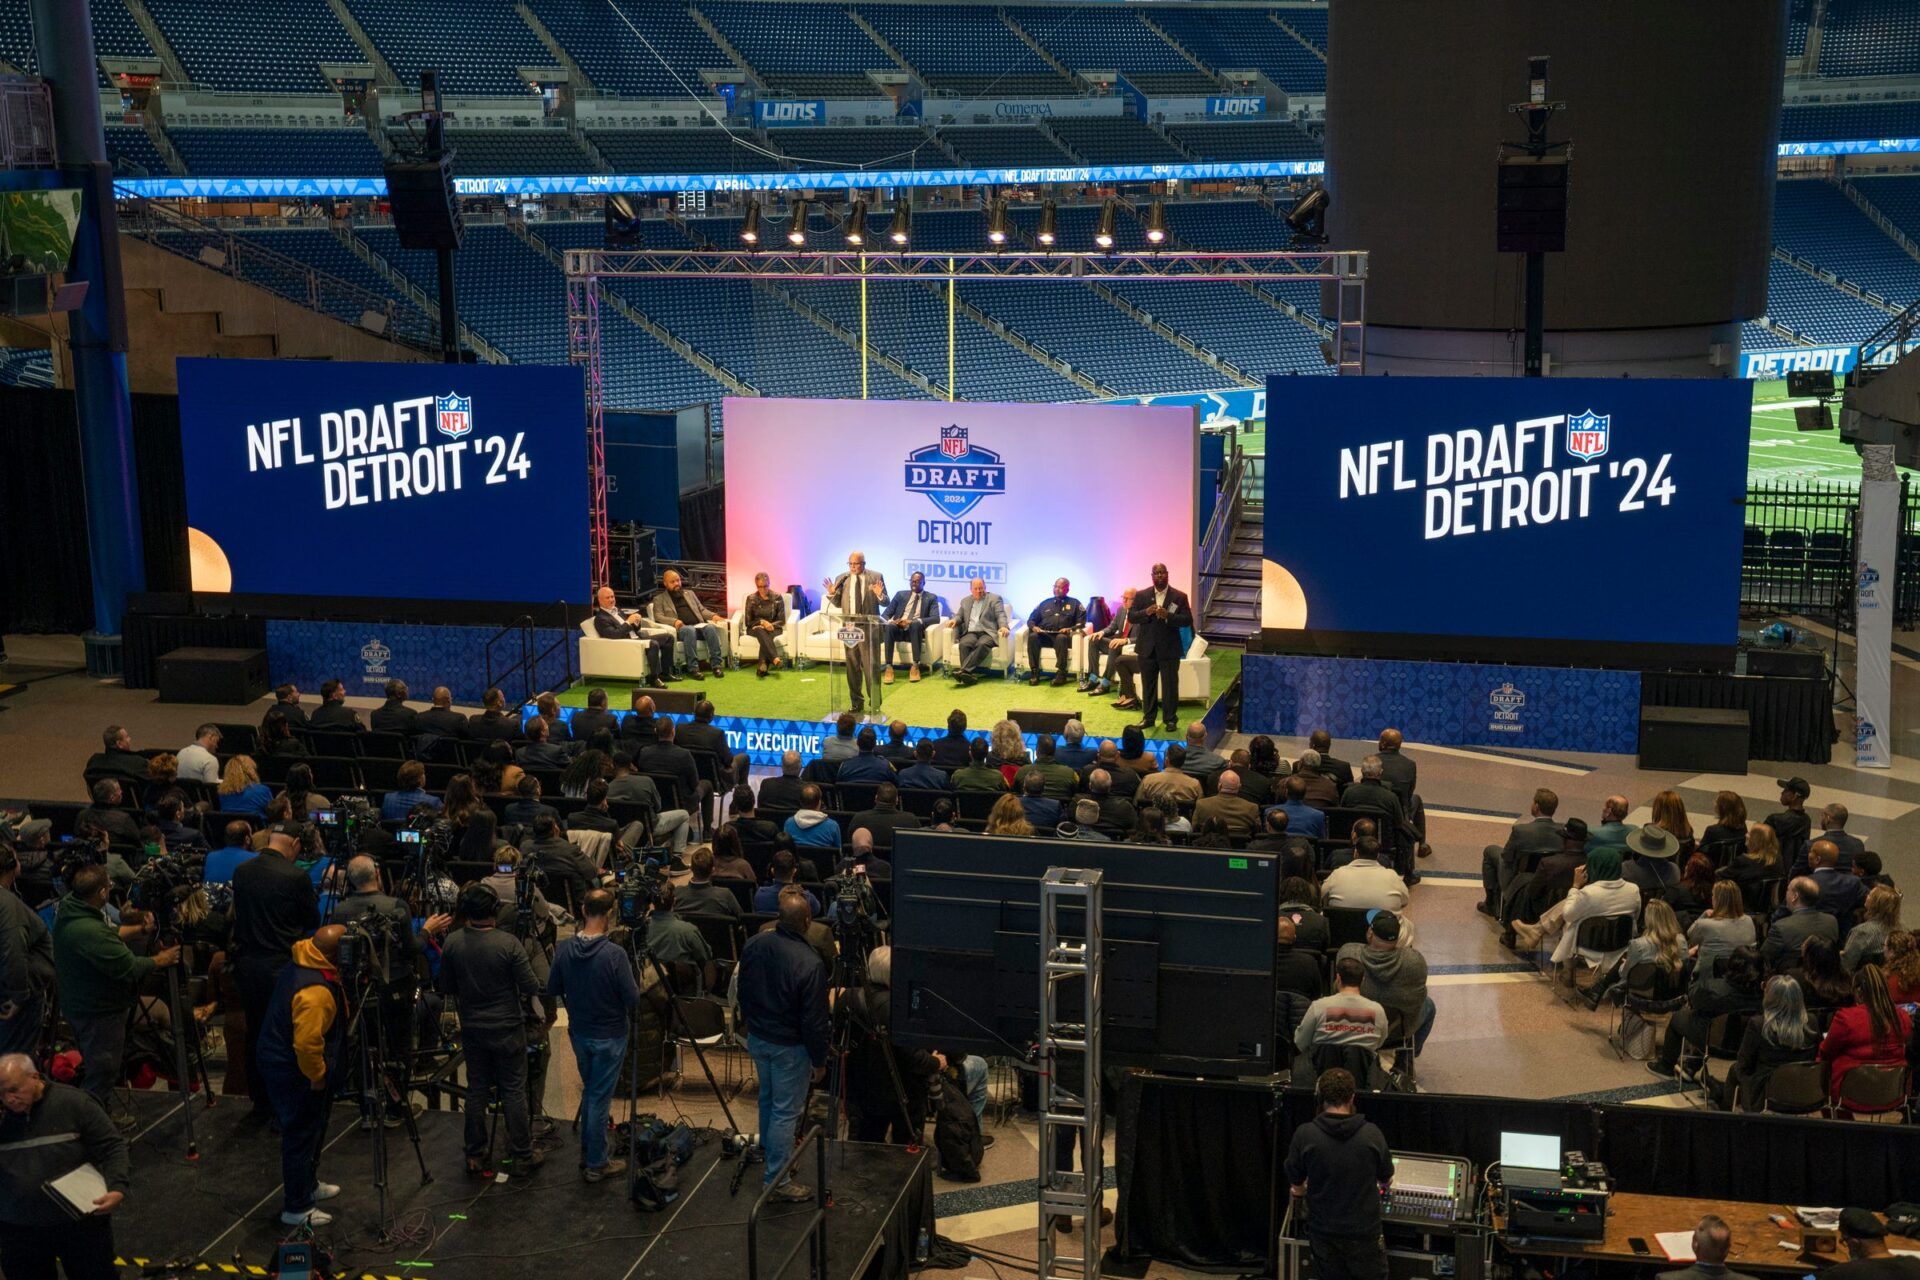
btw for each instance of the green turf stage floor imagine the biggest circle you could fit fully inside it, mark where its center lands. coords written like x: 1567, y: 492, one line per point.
x: 804, y: 695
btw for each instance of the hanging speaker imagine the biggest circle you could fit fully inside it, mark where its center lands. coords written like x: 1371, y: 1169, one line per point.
x: 426, y: 213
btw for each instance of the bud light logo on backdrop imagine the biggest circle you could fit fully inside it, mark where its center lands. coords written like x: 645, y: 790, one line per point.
x: 785, y: 111
x: 955, y: 473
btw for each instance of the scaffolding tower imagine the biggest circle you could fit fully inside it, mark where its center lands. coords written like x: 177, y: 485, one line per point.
x: 1064, y: 961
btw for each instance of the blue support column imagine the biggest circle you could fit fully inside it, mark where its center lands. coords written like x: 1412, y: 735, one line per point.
x: 97, y: 332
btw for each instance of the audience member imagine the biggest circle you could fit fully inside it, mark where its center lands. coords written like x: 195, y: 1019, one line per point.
x: 1318, y: 788
x: 117, y: 758
x: 333, y: 713
x: 1599, y: 889
x: 1202, y: 762
x: 1728, y: 834
x: 1791, y: 823
x: 951, y: 750
x: 783, y: 873
x: 1171, y: 787
x: 842, y: 745
x: 1528, y: 842
x: 1372, y: 792
x: 922, y: 774
x: 394, y: 715
x: 1902, y: 966
x: 884, y: 817
x: 1735, y: 990
x: 1725, y: 927
x: 1240, y: 814
x: 977, y: 774
x: 896, y: 749
x: 538, y: 752
x: 1008, y: 818
x: 197, y: 760
x: 810, y: 827
x: 1712, y: 1241
x: 1295, y: 969
x: 1669, y: 813
x: 1659, y: 944
x: 1756, y: 869
x: 1395, y: 976
x: 1822, y: 977
x: 1300, y: 903
x: 1041, y: 810
x: 1873, y: 1031
x: 1132, y: 752
x: 1365, y: 884
x: 411, y: 793
x: 1121, y: 781
x: 1692, y: 897
x: 1347, y: 1018
x: 1649, y: 865
x: 1841, y: 893
x: 486, y: 970
x: 1298, y: 855
x: 783, y: 791
x: 109, y: 812
x: 748, y: 825
x: 1058, y: 782
x: 1086, y: 822
x: 866, y: 764
x: 1784, y: 1033
x: 1799, y: 919
x: 587, y: 721
x: 1613, y: 828
x: 1397, y: 769
x: 1330, y: 766
x: 1117, y: 814
x: 1847, y: 847
x: 1879, y: 920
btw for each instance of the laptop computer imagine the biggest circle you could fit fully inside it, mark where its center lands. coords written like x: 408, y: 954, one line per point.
x: 1530, y: 1161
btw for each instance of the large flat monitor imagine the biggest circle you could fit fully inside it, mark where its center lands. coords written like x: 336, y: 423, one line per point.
x: 404, y: 482
x: 1446, y: 518
x: 1188, y: 983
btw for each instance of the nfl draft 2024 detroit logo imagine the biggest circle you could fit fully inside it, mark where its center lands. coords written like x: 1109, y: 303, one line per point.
x: 1507, y: 703
x: 955, y: 475
x: 374, y: 657
x: 455, y: 414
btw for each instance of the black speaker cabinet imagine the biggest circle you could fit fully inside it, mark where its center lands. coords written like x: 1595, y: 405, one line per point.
x: 1694, y: 739
x: 1799, y: 662
x: 673, y: 702
x: 1033, y: 720
x: 228, y: 677
x: 426, y: 214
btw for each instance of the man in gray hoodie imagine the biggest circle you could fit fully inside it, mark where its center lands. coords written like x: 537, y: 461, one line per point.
x: 1396, y: 976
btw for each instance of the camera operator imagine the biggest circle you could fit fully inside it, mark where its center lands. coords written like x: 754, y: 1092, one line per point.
x: 486, y: 972
x: 395, y: 971
x: 300, y: 1050
x: 783, y: 998
x: 873, y: 1108
x: 569, y: 870
x: 524, y: 910
x: 596, y: 980
x: 48, y: 1130
x: 98, y: 976
x: 274, y: 906
x: 32, y: 843
x: 26, y: 963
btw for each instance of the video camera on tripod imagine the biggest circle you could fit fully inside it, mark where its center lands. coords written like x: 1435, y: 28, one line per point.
x: 340, y: 826
x: 162, y: 884
x: 638, y: 888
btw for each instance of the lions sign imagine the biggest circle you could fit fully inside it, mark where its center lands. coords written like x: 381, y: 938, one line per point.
x: 954, y: 473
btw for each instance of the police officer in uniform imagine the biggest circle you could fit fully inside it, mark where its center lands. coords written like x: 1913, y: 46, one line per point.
x: 1053, y: 624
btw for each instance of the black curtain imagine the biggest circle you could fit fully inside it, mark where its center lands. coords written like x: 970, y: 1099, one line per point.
x: 1195, y: 1163
x: 1774, y: 1159
x: 1792, y: 719
x: 703, y: 524
x: 46, y: 584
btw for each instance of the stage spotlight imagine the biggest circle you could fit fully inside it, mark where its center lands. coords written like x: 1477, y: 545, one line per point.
x: 857, y: 223
x: 1157, y: 223
x: 797, y: 224
x: 1309, y: 218
x: 1049, y: 219
x: 900, y: 230
x: 997, y: 221
x: 1109, y: 213
x: 750, y: 224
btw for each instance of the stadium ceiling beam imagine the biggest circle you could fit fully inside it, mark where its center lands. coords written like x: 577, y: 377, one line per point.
x: 1169, y: 265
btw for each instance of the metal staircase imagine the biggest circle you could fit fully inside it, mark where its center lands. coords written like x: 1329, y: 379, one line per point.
x: 1233, y: 549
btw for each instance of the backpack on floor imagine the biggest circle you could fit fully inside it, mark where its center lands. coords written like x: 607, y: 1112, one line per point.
x: 956, y: 1131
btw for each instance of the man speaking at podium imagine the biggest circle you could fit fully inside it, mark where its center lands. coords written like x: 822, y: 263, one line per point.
x: 858, y: 595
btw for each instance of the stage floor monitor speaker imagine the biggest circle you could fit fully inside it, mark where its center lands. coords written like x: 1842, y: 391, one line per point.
x: 1694, y: 739
x: 1034, y: 720
x: 673, y: 702
x: 1799, y: 661
x: 228, y: 677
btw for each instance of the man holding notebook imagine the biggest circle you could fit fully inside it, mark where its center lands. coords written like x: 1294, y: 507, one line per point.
x: 63, y: 1170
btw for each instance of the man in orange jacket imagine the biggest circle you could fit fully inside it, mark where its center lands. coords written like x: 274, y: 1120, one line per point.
x: 301, y: 1044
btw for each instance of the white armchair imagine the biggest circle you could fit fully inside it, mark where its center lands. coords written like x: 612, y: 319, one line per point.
x: 1076, y: 652
x: 1196, y: 671
x: 740, y: 646
x: 615, y: 659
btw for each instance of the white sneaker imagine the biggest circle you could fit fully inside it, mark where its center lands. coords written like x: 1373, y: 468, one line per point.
x: 325, y: 1190
x: 311, y: 1218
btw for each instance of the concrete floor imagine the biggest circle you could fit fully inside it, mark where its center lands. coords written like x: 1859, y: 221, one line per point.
x: 1500, y: 1030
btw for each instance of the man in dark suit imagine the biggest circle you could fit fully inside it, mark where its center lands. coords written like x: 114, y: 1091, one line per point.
x: 886, y: 816
x: 907, y: 617
x: 1528, y: 842
x: 1118, y: 817
x: 594, y: 717
x: 1158, y: 614
x: 896, y: 748
x: 1712, y: 1241
x: 394, y: 715
x: 537, y: 752
x: 1799, y: 919
x: 782, y: 791
x: 701, y: 735
x: 868, y: 765
x: 1398, y: 771
x: 1107, y: 659
x: 117, y: 758
x: 665, y: 756
x: 950, y: 751
x: 1121, y: 780
x: 1833, y: 821
x: 494, y: 721
x: 1372, y: 792
x: 440, y: 720
x: 287, y: 698
x: 1331, y: 765
x: 858, y: 594
x: 1842, y: 893
x: 610, y: 624
x: 109, y: 812
x: 527, y: 806
x: 636, y: 727
x: 333, y: 713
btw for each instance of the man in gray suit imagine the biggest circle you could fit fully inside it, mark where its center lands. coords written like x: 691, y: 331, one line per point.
x: 980, y: 621
x: 858, y: 596
x: 676, y: 607
x: 1712, y: 1241
x: 1801, y: 919
x: 1526, y: 844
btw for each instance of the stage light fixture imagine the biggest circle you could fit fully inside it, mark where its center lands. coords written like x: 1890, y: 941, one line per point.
x: 1109, y: 214
x: 750, y: 224
x: 1157, y: 222
x: 900, y: 230
x: 997, y: 221
x: 797, y: 224
x: 857, y: 223
x: 1308, y: 218
x: 1049, y: 228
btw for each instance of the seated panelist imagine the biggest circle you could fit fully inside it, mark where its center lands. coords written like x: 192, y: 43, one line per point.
x: 907, y: 617
x: 610, y: 624
x: 1052, y: 625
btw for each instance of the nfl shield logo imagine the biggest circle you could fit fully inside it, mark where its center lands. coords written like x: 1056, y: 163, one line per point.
x: 1587, y: 434
x: 456, y: 414
x: 953, y: 442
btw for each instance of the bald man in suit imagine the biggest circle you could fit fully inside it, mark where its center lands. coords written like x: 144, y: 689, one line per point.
x: 858, y: 594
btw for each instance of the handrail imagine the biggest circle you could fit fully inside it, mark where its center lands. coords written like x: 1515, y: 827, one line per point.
x: 816, y: 1232
x: 1226, y: 514
x: 522, y: 629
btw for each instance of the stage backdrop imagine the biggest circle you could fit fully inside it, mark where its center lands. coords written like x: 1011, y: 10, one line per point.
x: 401, y: 481
x: 1017, y: 494
x: 1557, y: 519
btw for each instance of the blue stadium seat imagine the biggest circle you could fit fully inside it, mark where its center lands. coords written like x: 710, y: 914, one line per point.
x: 1850, y: 121
x: 965, y: 50
x: 1114, y: 140
x: 816, y: 52
x: 617, y: 60
x: 115, y: 35
x: 259, y: 153
x: 132, y: 152
x: 701, y: 149
x: 1898, y: 198
x: 1002, y: 145
x: 1233, y: 324
x: 241, y: 46
x: 476, y: 48
x: 1246, y: 140
x: 1249, y: 39
x: 528, y: 152
x: 1757, y: 337
x: 1815, y: 220
x: 1817, y: 310
x: 1870, y: 38
x: 1109, y: 38
x: 877, y: 148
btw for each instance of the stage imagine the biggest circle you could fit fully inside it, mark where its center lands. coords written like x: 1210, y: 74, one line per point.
x: 788, y: 709
x: 221, y: 1212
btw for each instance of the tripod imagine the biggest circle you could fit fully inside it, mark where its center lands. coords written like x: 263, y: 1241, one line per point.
x: 377, y: 1091
x: 853, y: 935
x: 641, y: 953
x: 187, y: 1066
